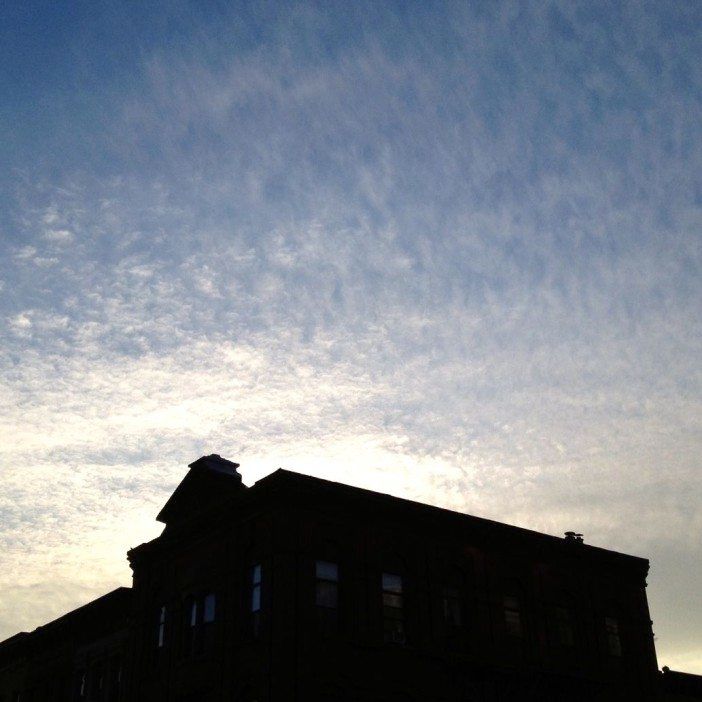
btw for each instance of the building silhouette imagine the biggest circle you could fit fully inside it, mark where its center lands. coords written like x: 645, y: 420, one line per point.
x: 303, y: 589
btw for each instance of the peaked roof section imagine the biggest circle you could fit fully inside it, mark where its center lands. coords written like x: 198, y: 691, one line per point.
x: 210, y: 481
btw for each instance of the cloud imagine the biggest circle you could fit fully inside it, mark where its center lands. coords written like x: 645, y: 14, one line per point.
x: 58, y: 236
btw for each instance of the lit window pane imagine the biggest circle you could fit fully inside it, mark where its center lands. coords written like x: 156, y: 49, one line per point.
x: 256, y: 598
x: 256, y: 575
x: 209, y: 613
x: 193, y: 614
x: 327, y: 571
x: 392, y: 583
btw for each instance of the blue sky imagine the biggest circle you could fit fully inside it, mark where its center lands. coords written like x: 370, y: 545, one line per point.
x: 450, y: 251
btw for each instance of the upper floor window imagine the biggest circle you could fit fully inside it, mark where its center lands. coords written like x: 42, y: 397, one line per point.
x: 393, y: 608
x: 327, y: 584
x: 614, y: 642
x: 513, y: 616
x: 326, y: 594
x: 560, y: 627
x: 161, y: 632
x: 200, y: 613
x: 255, y: 583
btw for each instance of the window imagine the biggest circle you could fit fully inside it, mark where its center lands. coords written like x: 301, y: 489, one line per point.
x: 327, y: 584
x: 560, y: 627
x: 393, y: 609
x: 161, y: 635
x: 256, y: 582
x: 326, y: 595
x: 513, y: 616
x: 451, y: 607
x: 614, y: 643
x: 200, y: 616
x: 208, y: 615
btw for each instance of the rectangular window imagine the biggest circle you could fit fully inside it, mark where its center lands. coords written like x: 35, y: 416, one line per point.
x: 452, y: 609
x: 161, y: 627
x: 256, y: 588
x: 393, y: 608
x: 199, y: 632
x: 327, y: 584
x: 561, y: 627
x: 513, y: 616
x: 326, y: 596
x: 614, y: 643
x: 255, y: 602
x: 209, y: 608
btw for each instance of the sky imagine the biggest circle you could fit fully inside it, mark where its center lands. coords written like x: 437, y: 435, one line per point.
x: 448, y: 251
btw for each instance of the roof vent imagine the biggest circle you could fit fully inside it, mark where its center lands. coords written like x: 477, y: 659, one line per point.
x: 572, y: 537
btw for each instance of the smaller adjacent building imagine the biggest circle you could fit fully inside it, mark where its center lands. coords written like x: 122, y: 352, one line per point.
x: 680, y: 687
x: 79, y: 656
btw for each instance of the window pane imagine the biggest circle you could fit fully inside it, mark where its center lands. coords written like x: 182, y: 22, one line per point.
x: 513, y: 623
x: 614, y: 643
x: 392, y: 600
x: 324, y: 570
x: 327, y: 594
x: 256, y: 598
x: 393, y: 613
x: 193, y: 614
x: 452, y: 610
x: 511, y: 602
x: 392, y: 583
x: 209, y: 614
x: 256, y: 574
x: 564, y: 628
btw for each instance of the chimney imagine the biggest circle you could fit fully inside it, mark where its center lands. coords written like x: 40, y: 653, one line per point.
x: 572, y: 537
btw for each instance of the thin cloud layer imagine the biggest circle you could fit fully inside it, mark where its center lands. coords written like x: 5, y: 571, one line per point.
x: 448, y: 253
